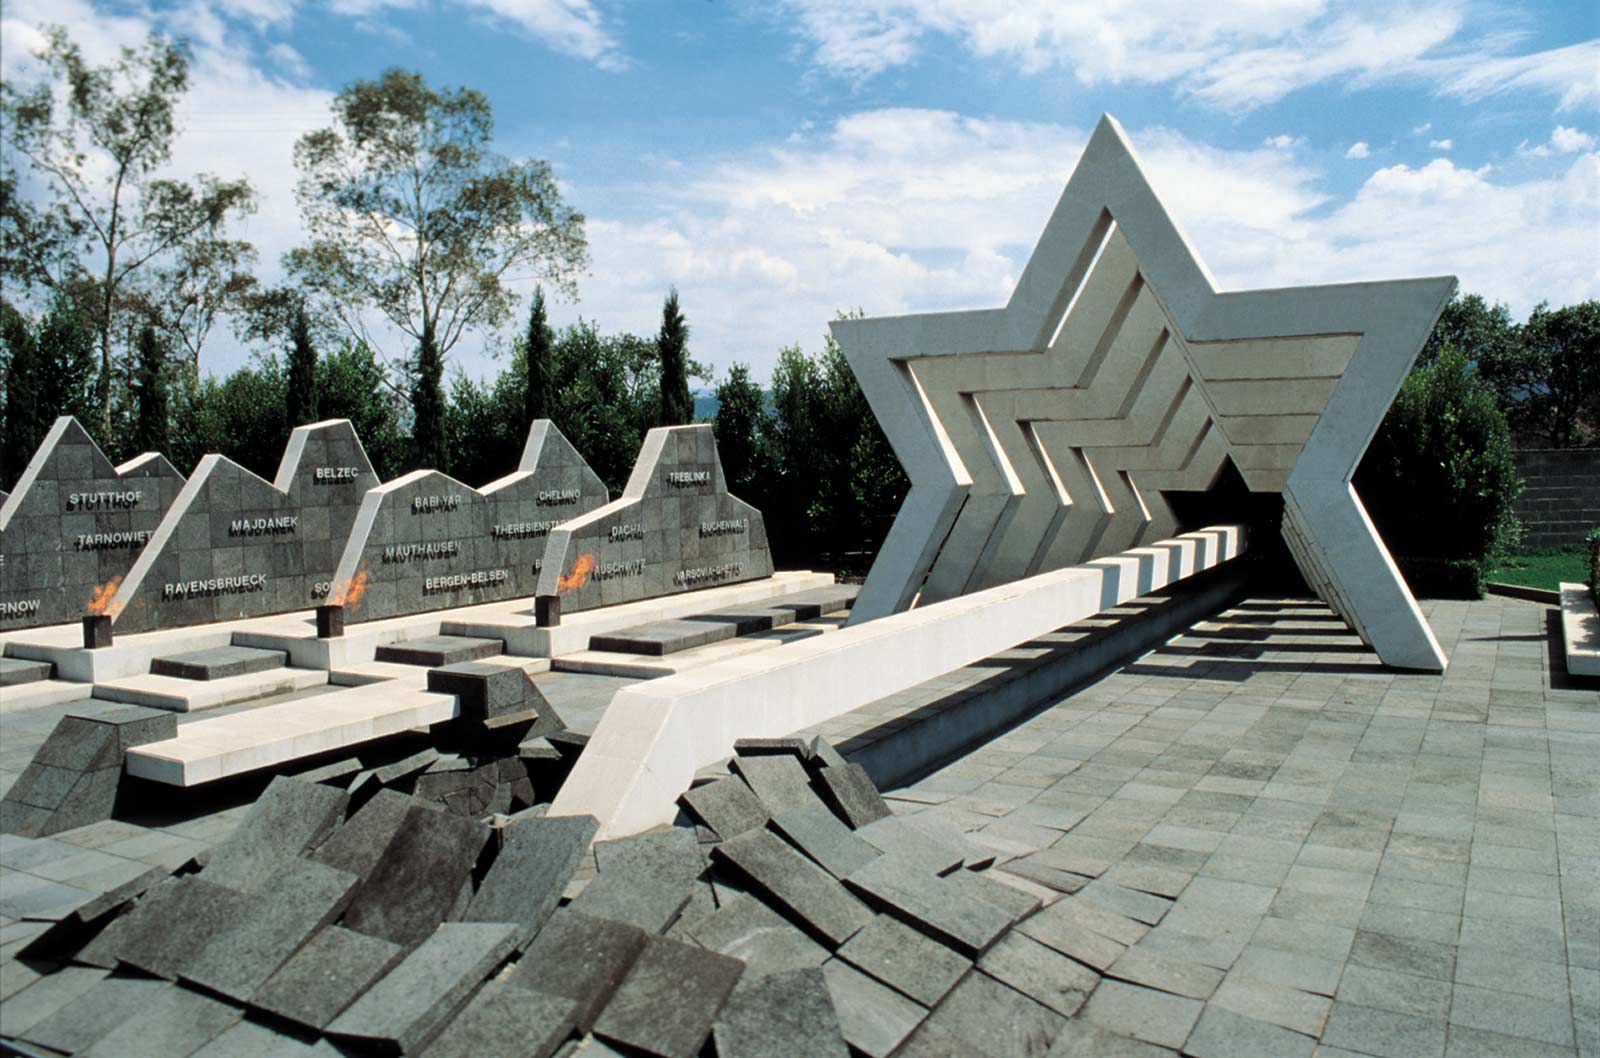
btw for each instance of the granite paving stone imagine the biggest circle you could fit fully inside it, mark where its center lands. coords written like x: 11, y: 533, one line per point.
x: 817, y: 900
x: 1057, y: 927
x: 325, y: 976
x: 851, y: 792
x: 728, y: 806
x: 669, y: 999
x: 1084, y: 1039
x: 905, y: 959
x: 167, y: 927
x: 1040, y: 972
x: 536, y: 860
x: 779, y: 781
x: 874, y: 1018
x: 360, y: 840
x: 505, y: 1019
x: 996, y: 1020
x: 1143, y: 1013
x: 580, y: 958
x: 912, y: 844
x: 417, y: 880
x: 982, y: 885
x: 784, y: 1013
x: 79, y: 1024
x: 645, y: 880
x: 290, y: 817
x: 905, y: 889
x: 1220, y: 1033
x: 409, y: 1004
x: 1548, y: 1018
x: 1383, y: 1032
x: 766, y: 942
x: 1142, y: 967
x: 270, y: 927
x: 48, y: 994
x: 174, y: 1024
x: 817, y: 832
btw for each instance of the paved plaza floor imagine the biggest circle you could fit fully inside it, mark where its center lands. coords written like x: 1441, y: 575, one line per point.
x: 1349, y: 861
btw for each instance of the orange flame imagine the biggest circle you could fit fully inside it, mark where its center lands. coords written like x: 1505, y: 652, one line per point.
x: 580, y: 573
x: 100, y: 599
x: 347, y: 593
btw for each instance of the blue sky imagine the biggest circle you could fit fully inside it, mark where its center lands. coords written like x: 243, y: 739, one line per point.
x: 781, y: 161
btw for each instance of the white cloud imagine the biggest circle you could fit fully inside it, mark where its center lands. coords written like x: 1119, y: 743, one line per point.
x: 1440, y: 145
x: 1358, y: 149
x: 1283, y: 141
x: 1566, y: 140
x: 1422, y: 128
x: 1235, y: 56
x: 573, y: 27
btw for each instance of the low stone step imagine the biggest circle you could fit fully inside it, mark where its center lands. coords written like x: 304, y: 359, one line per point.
x: 191, y: 696
x: 218, y: 663
x: 660, y: 638
x: 820, y: 601
x: 17, y: 671
x: 749, y: 619
x: 435, y: 651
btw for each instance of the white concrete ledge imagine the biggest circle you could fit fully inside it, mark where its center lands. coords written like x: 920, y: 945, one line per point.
x: 656, y: 735
x: 190, y: 696
x: 1580, y: 628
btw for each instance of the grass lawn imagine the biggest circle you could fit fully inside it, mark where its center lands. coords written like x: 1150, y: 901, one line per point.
x: 1543, y: 569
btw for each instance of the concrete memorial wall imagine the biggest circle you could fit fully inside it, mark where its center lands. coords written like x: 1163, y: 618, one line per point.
x: 236, y: 545
x: 75, y: 524
x: 674, y: 529
x: 425, y: 541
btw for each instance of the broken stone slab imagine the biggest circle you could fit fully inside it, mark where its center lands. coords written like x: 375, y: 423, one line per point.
x: 360, y: 840
x: 405, y: 1009
x: 816, y: 900
x: 77, y: 928
x: 438, y: 651
x: 44, y: 997
x: 272, y: 927
x: 906, y: 959
x: 747, y: 620
x: 904, y: 888
x: 537, y: 859
x: 849, y: 791
x: 417, y: 880
x: 487, y: 692
x: 756, y: 935
x: 874, y: 1018
x: 787, y: 745
x: 993, y: 1019
x: 290, y: 817
x: 167, y: 927
x: 823, y: 755
x: 1040, y: 972
x: 669, y: 999
x: 645, y: 880
x: 415, y: 764
x: 779, y: 782
x: 817, y: 832
x: 781, y: 1014
x: 661, y: 638
x: 175, y: 1022
x: 727, y: 806
x: 895, y: 835
x: 580, y: 958
x: 217, y: 663
x: 324, y: 977
x: 1014, y: 902
x: 504, y: 1019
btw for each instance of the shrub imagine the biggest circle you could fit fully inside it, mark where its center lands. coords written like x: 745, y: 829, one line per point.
x: 1593, y: 540
x: 1440, y: 478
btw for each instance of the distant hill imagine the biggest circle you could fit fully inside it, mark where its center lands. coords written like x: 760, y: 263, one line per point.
x: 705, y: 404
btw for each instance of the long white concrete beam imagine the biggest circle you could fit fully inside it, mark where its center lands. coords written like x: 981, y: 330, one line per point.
x: 656, y: 735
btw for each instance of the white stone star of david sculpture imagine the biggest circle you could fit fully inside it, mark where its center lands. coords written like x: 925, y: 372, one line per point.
x: 1045, y: 433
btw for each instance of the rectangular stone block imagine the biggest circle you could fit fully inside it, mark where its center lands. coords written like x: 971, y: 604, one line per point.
x: 756, y: 935
x: 581, y: 958
x: 817, y: 832
x: 537, y: 859
x: 167, y: 927
x: 906, y: 889
x: 644, y: 880
x: 360, y: 840
x: 176, y: 1022
x: 80, y: 1024
x: 875, y: 1018
x: 409, y: 1005
x: 414, y: 884
x: 669, y: 999
x: 779, y: 782
x: 851, y: 793
x: 290, y: 817
x: 488, y: 692
x: 323, y: 978
x: 437, y: 651
x: 727, y: 806
x: 505, y: 1019
x: 905, y: 959
x: 783, y: 1013
x: 815, y: 899
x: 218, y: 663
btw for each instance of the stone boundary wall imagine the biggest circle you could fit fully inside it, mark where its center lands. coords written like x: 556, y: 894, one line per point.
x: 1560, y: 499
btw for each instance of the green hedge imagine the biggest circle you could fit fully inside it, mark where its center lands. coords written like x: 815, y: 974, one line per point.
x: 1442, y: 578
x: 1593, y: 540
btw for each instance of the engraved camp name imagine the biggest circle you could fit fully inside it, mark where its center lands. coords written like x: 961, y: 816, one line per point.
x: 705, y: 574
x: 335, y: 475
x: 478, y: 578
x: 610, y: 570
x: 725, y: 527
x: 20, y: 608
x: 434, y: 504
x: 421, y: 552
x: 522, y: 530
x: 558, y: 497
x: 112, y: 541
x: 100, y: 501
x: 287, y: 523
x: 684, y: 479
x: 627, y: 531
x: 189, y: 589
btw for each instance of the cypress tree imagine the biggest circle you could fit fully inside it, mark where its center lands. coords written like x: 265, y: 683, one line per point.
x: 427, y: 405
x: 150, y: 425
x: 302, y: 383
x: 539, y: 386
x: 677, y: 406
